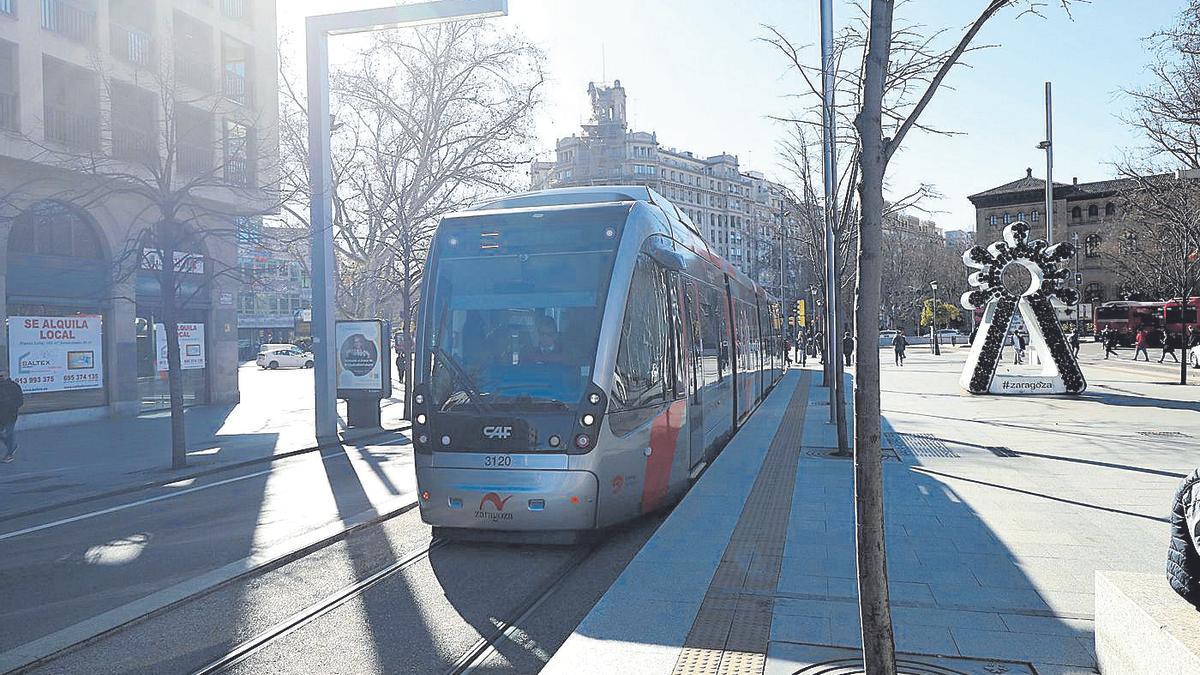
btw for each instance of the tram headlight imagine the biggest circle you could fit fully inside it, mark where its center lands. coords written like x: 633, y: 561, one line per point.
x: 419, y: 398
x: 594, y: 398
x: 555, y: 441
x: 588, y: 420
x: 583, y: 441
x: 445, y: 440
x: 423, y: 439
x: 421, y: 418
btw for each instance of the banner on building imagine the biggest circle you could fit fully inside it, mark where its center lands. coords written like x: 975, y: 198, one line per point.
x: 191, y: 346
x: 361, y: 352
x: 56, y: 353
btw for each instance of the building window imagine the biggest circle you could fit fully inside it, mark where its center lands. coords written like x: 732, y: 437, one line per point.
x: 1129, y: 242
x: 1021, y: 217
x: 130, y: 25
x: 1091, y: 246
x: 235, y: 69
x: 993, y: 220
x: 134, y: 124
x: 1007, y: 219
x: 10, y: 113
x: 72, y: 105
x: 1076, y: 213
x: 1110, y: 209
x: 193, y: 52
x: 1093, y: 211
x: 193, y: 140
x: 1034, y: 216
x: 236, y: 149
x: 72, y: 20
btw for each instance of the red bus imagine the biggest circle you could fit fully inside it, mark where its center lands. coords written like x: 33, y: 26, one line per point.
x: 1177, y: 315
x: 1127, y: 317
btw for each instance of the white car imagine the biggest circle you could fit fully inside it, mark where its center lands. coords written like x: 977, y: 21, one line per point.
x: 887, y: 336
x: 949, y: 336
x: 284, y: 357
x: 1194, y: 356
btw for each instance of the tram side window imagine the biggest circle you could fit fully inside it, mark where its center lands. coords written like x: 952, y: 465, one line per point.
x: 641, y: 374
x: 714, y: 350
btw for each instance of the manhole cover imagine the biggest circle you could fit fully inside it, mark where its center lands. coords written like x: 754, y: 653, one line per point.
x: 1164, y: 434
x: 831, y: 453
x: 803, y: 659
x: 920, y: 445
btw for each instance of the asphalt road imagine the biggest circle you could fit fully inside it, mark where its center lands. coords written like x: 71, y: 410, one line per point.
x: 66, y: 566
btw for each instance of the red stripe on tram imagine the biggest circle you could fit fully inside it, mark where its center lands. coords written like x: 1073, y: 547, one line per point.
x: 664, y: 433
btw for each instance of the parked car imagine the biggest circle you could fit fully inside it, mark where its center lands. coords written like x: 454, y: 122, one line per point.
x: 286, y: 357
x: 952, y: 337
x: 887, y: 336
x: 1194, y: 356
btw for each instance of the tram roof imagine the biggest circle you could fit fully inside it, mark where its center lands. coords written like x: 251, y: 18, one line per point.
x: 592, y: 194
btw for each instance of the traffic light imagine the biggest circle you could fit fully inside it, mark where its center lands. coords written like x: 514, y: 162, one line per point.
x: 791, y: 321
x: 800, y: 313
x: 1078, y: 278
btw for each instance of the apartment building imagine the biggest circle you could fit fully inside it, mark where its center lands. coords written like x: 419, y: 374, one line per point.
x: 174, y: 90
x: 739, y: 212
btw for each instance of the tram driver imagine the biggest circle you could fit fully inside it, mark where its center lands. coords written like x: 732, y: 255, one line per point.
x: 548, y: 348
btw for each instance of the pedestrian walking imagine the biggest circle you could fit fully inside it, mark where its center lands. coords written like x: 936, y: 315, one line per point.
x: 1192, y: 338
x: 11, y: 400
x: 801, y: 349
x: 787, y: 352
x: 1139, y: 341
x: 899, y: 344
x: 1019, y: 348
x: 1168, y: 347
x: 1075, y: 343
x: 848, y: 347
x: 818, y: 346
x: 1109, y: 338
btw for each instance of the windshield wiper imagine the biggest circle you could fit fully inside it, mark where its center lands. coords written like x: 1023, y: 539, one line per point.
x: 464, y: 378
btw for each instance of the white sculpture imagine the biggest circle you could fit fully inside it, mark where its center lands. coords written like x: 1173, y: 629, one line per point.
x: 1016, y: 275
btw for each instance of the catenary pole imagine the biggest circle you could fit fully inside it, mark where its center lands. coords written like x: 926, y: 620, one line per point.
x: 1049, y: 170
x: 832, y: 346
x: 318, y: 29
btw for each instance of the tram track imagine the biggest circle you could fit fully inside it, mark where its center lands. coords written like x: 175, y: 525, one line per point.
x: 314, y: 611
x: 483, y: 649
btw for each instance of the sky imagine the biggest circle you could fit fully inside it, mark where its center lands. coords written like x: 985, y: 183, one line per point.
x: 697, y: 73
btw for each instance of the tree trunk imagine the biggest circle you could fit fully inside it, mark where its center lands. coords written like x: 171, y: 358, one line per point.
x: 879, y: 649
x: 169, y: 288
x: 838, y: 368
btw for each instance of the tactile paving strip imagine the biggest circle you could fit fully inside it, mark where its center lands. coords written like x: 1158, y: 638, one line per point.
x: 733, y: 626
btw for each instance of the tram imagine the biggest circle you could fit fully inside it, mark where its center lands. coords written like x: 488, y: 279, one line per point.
x: 582, y: 355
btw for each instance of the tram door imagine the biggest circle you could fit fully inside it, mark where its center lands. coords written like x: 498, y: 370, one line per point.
x: 692, y: 350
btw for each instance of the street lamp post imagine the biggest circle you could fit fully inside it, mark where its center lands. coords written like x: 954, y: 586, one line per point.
x: 937, y: 350
x: 1048, y: 146
x: 318, y: 29
x: 1078, y: 282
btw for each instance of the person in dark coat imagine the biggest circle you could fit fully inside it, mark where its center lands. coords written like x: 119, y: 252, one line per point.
x: 1168, y: 346
x: 801, y: 349
x: 1075, y: 343
x: 900, y: 343
x: 11, y: 400
x: 848, y: 347
x: 1110, y: 343
x: 1183, y: 560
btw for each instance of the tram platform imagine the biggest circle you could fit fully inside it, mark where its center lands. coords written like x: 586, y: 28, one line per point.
x: 754, y: 570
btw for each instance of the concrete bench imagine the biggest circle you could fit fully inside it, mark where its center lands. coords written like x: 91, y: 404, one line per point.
x: 1142, y: 626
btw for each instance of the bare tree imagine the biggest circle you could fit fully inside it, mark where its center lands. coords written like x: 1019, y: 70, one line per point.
x: 1159, y: 252
x: 902, y: 71
x: 186, y: 158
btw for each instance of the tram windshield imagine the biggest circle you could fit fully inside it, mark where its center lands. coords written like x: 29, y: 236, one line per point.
x: 514, y: 325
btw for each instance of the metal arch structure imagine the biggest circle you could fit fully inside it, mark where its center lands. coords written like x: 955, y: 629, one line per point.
x: 1060, y: 373
x: 318, y: 30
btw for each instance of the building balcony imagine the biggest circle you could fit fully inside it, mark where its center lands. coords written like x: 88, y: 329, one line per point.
x: 233, y: 86
x: 194, y: 159
x: 193, y: 72
x: 8, y: 7
x: 134, y: 144
x: 238, y: 10
x: 69, y: 20
x: 10, y: 112
x: 238, y: 172
x: 130, y: 44
x: 78, y: 129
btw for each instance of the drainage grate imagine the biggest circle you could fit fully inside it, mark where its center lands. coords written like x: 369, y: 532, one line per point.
x: 920, y: 445
x: 1002, y: 451
x: 808, y: 659
x: 1164, y: 434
